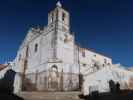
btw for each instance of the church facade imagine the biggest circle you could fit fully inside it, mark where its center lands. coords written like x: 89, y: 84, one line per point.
x: 49, y: 59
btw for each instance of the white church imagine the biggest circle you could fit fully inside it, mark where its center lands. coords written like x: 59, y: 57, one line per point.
x: 49, y: 59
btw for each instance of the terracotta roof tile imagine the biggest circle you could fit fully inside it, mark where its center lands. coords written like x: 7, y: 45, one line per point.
x: 2, y: 66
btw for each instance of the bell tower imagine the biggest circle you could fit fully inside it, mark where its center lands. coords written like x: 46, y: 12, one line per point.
x: 59, y: 17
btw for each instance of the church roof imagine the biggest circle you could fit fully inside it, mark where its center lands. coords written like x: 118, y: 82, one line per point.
x: 92, y: 50
x: 130, y: 69
x: 2, y: 66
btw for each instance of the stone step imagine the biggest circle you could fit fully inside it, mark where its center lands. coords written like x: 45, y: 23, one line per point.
x: 50, y: 95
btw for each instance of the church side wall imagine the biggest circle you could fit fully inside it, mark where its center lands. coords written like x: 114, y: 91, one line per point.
x: 38, y: 68
x: 19, y: 60
x: 37, y: 60
x: 34, y: 57
x: 46, y: 47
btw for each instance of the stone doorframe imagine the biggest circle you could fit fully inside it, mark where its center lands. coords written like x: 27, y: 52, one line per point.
x: 53, y: 78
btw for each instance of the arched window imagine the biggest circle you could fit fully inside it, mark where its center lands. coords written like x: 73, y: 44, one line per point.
x: 95, y: 55
x: 52, y: 17
x: 36, y: 47
x: 54, y: 68
x: 63, y: 16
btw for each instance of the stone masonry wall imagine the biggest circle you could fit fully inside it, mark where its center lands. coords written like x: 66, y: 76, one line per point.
x: 42, y: 81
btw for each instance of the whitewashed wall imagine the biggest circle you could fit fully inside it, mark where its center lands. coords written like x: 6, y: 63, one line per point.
x: 89, y: 58
x: 101, y: 78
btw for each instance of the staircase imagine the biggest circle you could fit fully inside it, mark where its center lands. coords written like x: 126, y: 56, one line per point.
x: 50, y: 95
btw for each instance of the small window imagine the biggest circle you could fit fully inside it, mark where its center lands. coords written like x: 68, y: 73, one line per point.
x: 63, y: 16
x: 95, y: 55
x: 36, y: 47
x: 84, y: 65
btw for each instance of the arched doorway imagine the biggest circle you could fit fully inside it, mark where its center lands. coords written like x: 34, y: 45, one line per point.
x: 53, y: 78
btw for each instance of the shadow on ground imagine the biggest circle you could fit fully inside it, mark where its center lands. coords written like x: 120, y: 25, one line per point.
x: 121, y: 95
x: 114, y: 94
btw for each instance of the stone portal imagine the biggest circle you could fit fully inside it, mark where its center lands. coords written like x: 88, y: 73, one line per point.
x: 53, y: 78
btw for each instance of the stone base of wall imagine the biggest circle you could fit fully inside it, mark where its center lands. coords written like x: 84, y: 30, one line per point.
x: 130, y: 84
x: 44, y: 82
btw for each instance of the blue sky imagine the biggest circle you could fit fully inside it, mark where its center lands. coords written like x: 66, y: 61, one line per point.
x: 105, y: 26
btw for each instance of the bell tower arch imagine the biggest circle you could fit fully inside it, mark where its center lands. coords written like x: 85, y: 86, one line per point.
x: 59, y: 17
